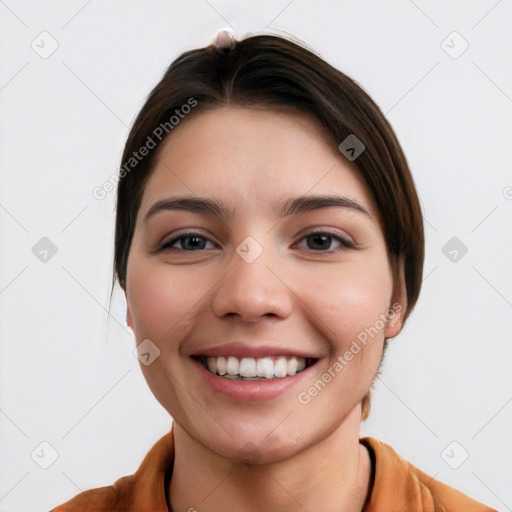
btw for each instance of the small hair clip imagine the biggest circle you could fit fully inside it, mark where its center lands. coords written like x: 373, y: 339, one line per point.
x: 224, y: 39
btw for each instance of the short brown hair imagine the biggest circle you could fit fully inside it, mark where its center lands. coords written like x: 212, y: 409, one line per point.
x: 274, y: 72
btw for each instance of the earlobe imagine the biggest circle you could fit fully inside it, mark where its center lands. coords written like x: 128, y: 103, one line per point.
x: 129, y: 317
x: 398, y: 305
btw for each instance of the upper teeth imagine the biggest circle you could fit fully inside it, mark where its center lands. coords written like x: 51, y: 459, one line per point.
x: 265, y: 367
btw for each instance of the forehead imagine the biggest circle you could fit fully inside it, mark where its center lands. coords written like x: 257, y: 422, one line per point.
x: 252, y: 158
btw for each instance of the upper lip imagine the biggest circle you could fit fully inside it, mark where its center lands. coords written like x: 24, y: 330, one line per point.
x: 240, y: 349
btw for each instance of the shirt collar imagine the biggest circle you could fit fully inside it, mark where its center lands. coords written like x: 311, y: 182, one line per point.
x: 393, y: 486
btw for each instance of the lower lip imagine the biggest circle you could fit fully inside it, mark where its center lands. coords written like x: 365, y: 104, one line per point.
x: 251, y: 390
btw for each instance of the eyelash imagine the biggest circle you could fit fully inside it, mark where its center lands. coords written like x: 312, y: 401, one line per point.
x: 345, y: 244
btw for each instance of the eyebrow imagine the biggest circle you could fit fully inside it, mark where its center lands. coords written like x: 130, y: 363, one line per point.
x: 214, y: 208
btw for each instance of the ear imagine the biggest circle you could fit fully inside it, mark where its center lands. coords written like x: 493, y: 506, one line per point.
x: 398, y: 304
x: 128, y: 315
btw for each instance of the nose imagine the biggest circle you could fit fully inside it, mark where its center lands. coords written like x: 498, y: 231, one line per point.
x: 253, y: 290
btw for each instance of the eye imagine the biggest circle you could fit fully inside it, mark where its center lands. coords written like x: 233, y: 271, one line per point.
x: 190, y: 241
x: 321, y: 240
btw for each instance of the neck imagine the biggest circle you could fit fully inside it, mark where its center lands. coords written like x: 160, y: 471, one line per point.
x: 334, y: 475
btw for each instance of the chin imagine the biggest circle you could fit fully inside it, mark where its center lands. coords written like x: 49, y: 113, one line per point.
x: 254, y: 454
x: 259, y: 443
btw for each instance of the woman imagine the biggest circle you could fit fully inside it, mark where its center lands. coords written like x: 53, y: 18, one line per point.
x: 269, y: 241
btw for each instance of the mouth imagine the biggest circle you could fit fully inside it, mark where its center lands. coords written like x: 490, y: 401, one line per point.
x: 255, y: 368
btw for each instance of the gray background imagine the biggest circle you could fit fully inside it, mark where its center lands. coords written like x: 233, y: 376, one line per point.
x: 68, y: 375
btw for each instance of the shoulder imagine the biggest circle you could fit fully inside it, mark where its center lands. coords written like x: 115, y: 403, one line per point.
x: 102, y: 499
x: 144, y: 490
x: 399, y: 485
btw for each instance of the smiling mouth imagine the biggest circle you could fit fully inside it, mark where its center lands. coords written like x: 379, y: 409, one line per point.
x: 255, y: 368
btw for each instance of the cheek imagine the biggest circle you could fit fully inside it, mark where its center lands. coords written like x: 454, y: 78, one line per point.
x: 161, y: 301
x: 350, y: 301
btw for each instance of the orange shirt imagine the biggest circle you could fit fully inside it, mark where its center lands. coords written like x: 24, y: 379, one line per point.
x: 398, y: 486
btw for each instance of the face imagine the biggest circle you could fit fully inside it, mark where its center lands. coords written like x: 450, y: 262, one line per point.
x: 245, y: 279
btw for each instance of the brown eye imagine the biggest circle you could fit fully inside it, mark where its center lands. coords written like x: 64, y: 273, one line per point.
x: 322, y: 241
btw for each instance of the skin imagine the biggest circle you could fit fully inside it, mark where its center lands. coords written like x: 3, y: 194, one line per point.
x: 300, y: 293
